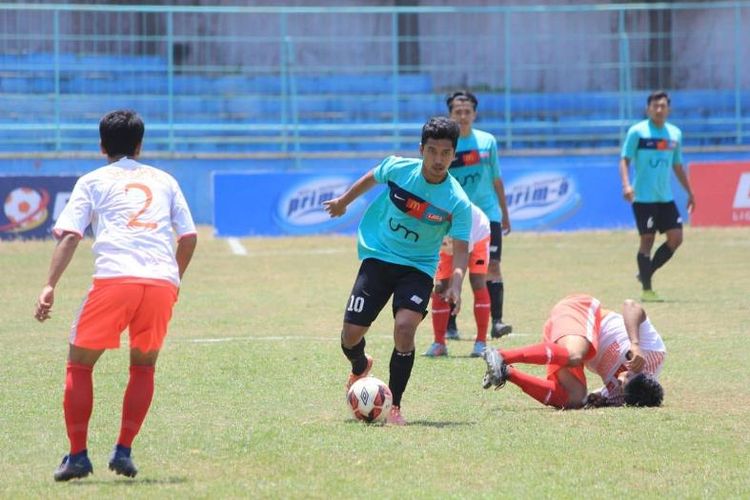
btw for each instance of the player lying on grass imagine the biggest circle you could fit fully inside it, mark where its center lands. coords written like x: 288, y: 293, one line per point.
x: 625, y: 350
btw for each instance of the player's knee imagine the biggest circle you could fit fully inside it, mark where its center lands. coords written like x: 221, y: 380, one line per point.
x: 440, y: 287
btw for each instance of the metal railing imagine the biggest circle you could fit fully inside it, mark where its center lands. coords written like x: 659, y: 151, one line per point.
x: 296, y: 81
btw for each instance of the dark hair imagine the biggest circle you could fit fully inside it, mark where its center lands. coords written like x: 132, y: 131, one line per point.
x: 441, y: 127
x: 121, y: 132
x: 461, y: 95
x: 643, y: 390
x: 656, y: 95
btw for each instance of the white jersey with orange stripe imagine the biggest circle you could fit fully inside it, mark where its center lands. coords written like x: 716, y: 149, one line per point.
x: 135, y: 211
x: 611, y: 354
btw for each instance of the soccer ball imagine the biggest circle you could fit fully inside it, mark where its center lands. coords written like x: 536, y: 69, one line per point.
x: 26, y: 208
x: 370, y: 400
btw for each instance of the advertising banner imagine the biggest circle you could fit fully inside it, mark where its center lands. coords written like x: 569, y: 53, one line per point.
x: 560, y: 197
x: 722, y: 193
x: 31, y: 205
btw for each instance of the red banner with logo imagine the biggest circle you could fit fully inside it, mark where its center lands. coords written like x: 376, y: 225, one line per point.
x: 722, y: 193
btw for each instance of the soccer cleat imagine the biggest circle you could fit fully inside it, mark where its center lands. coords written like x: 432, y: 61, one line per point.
x: 353, y: 378
x: 435, y: 350
x: 500, y: 329
x: 478, y: 350
x: 74, y: 467
x: 650, y: 296
x: 497, y: 370
x: 452, y: 334
x: 121, y: 463
x: 395, y: 417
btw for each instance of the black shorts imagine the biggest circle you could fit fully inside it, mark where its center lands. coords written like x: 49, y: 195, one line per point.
x: 496, y: 241
x: 652, y: 217
x: 377, y: 281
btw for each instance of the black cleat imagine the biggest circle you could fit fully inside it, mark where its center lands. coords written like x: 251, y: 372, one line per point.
x: 74, y: 467
x: 121, y: 463
x: 497, y: 370
x: 500, y: 329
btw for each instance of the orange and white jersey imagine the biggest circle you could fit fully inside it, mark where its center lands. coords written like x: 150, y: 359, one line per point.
x: 614, y: 344
x: 480, y: 226
x: 135, y: 211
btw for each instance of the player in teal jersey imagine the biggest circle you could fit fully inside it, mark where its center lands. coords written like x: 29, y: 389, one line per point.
x: 399, y: 239
x: 654, y: 146
x: 477, y: 170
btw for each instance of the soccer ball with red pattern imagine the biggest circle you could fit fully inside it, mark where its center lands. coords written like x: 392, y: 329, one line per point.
x: 370, y: 400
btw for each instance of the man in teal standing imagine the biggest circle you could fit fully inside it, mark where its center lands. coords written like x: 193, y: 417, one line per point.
x: 477, y: 169
x: 654, y: 146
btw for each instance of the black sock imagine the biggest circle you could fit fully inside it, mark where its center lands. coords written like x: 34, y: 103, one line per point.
x: 452, y: 320
x: 401, y: 364
x: 662, y: 255
x: 497, y: 290
x: 644, y: 270
x: 356, y: 355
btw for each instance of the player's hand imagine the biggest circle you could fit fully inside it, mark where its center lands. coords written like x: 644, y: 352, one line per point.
x: 594, y: 400
x: 627, y: 193
x: 636, y: 361
x: 453, y: 296
x: 506, y: 226
x: 44, y: 303
x: 335, y: 207
x: 690, y: 203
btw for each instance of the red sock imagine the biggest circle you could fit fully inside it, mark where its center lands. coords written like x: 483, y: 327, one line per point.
x: 78, y: 401
x: 546, y: 391
x: 545, y: 353
x: 482, y: 312
x: 136, y: 402
x: 441, y: 310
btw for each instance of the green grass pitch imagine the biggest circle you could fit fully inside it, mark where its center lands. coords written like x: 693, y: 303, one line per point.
x: 249, y: 395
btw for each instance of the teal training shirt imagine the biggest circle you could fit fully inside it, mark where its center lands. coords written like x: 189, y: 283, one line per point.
x: 406, y: 223
x: 476, y: 168
x: 653, y: 151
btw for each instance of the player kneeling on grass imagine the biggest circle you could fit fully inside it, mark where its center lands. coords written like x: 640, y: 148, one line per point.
x: 479, y: 251
x: 625, y: 350
x: 135, y: 212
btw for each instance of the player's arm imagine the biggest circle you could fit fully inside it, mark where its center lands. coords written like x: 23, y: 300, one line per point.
x: 184, y: 253
x: 500, y: 192
x: 633, y: 315
x: 61, y: 257
x: 679, y: 172
x: 460, y: 263
x: 337, y: 206
x: 627, y: 189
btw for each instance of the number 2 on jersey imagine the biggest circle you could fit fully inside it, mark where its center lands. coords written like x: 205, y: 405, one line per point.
x: 133, y: 221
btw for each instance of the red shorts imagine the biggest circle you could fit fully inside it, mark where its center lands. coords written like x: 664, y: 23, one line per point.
x: 478, y: 260
x: 144, y: 306
x: 578, y: 315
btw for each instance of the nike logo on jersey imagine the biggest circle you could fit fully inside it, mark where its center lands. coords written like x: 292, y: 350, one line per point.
x: 415, y: 206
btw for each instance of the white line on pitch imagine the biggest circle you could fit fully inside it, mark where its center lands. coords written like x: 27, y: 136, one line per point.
x: 274, y: 338
x: 237, y: 247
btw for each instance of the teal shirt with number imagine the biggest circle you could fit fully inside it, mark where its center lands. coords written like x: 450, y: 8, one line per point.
x: 476, y: 168
x: 406, y: 223
x: 652, y: 152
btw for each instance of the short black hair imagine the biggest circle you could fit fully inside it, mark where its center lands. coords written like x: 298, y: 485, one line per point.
x: 643, y: 390
x: 461, y: 95
x: 121, y: 132
x: 441, y: 127
x: 658, y: 94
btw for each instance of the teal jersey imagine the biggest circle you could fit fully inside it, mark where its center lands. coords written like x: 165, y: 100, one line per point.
x: 476, y: 168
x: 653, y: 151
x: 406, y: 223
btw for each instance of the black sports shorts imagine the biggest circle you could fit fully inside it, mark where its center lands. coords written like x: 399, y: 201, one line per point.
x: 376, y: 281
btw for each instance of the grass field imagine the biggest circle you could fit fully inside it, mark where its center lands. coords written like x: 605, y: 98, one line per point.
x: 249, y: 399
